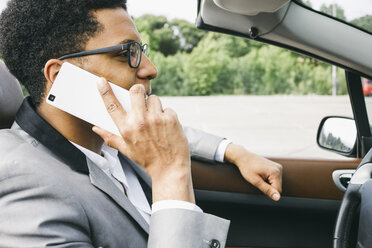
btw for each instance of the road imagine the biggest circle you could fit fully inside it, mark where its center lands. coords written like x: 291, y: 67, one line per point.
x: 279, y: 126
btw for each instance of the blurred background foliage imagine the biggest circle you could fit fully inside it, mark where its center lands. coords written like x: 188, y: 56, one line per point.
x: 195, y: 62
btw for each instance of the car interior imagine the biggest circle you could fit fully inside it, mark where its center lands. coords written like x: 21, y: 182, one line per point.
x: 11, y: 96
x: 304, y: 217
x: 313, y: 211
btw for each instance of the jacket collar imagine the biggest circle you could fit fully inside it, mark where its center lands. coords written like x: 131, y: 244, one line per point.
x: 32, y: 123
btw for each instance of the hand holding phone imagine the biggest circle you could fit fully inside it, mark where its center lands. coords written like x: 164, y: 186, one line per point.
x: 154, y: 138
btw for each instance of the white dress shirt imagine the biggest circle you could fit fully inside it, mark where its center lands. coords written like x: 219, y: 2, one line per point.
x: 124, y: 176
x: 219, y: 156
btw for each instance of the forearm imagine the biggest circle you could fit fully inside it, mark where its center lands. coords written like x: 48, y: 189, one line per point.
x: 233, y: 153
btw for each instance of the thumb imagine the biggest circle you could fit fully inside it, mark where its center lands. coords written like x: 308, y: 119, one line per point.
x: 267, y: 189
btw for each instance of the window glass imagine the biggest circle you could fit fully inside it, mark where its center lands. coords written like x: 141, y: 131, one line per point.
x: 356, y: 12
x: 367, y: 91
x: 266, y: 98
x: 269, y: 125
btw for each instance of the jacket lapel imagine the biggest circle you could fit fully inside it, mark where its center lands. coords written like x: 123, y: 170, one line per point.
x: 100, y: 180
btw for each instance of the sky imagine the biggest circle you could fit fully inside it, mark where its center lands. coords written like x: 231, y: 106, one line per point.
x: 353, y: 8
x: 181, y: 9
x: 186, y: 9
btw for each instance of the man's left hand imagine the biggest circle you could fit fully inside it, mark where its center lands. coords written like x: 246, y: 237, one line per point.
x: 265, y: 174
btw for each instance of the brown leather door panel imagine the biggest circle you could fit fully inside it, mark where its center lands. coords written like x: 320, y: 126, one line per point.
x: 304, y: 217
x: 307, y: 178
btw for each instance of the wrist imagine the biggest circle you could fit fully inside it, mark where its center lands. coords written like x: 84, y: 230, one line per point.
x: 160, y: 169
x: 233, y: 152
x: 238, y: 155
x: 175, y: 184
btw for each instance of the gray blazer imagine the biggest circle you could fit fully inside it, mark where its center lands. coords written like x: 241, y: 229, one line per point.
x: 52, y: 195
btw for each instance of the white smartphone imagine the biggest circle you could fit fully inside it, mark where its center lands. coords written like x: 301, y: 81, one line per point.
x: 75, y: 92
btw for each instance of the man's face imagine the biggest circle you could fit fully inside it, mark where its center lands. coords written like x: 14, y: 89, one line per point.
x: 118, y: 28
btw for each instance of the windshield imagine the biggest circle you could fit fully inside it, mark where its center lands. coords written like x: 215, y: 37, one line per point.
x: 356, y: 12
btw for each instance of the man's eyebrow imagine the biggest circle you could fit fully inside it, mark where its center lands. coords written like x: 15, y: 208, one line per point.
x: 127, y: 41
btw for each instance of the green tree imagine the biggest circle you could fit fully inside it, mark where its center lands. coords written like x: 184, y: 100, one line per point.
x: 342, y: 88
x: 156, y: 31
x: 328, y: 9
x: 188, y: 35
x: 168, y: 37
x: 307, y: 3
x: 249, y: 73
x: 319, y: 81
x: 364, y: 22
x: 266, y: 71
x: 199, y: 63
x: 166, y: 41
x: 208, y: 69
x: 171, y: 75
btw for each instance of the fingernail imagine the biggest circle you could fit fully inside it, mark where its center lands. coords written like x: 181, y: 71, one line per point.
x: 276, y: 197
x: 101, y: 85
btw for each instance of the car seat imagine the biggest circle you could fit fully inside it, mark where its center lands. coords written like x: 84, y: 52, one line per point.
x: 11, y: 96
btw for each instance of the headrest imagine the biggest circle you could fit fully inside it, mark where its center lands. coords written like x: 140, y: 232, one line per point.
x: 11, y: 96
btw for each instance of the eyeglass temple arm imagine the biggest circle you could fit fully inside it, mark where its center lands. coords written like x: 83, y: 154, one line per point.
x: 96, y: 51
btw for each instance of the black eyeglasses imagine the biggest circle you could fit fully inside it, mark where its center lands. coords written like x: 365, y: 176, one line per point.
x: 133, y: 52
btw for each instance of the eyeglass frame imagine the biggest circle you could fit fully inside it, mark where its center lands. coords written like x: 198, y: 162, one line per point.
x: 122, y: 47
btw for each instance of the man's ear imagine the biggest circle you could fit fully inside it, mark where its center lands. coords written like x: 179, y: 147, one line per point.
x: 51, y: 69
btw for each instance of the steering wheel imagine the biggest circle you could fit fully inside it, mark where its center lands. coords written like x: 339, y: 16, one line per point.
x: 356, y: 204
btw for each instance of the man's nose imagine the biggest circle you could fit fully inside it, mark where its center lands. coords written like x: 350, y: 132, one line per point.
x: 147, y: 70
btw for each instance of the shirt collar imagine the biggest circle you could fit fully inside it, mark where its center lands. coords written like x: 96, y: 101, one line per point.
x: 32, y: 123
x: 99, y: 160
x: 109, y: 162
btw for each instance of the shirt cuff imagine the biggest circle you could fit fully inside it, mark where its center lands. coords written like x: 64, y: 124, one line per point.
x: 219, y: 156
x: 168, y: 204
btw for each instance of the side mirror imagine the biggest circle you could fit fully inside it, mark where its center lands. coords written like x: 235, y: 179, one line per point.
x: 338, y: 134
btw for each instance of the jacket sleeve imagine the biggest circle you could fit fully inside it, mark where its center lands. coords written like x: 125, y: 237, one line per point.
x: 37, y: 212
x: 203, y: 146
x: 187, y: 229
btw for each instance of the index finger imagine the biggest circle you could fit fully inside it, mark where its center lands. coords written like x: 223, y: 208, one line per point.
x: 138, y: 98
x: 112, y: 104
x: 276, y: 182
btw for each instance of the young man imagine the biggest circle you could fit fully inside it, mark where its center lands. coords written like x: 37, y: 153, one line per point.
x: 59, y: 184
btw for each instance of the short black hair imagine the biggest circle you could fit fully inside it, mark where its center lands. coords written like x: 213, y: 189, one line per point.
x: 34, y: 31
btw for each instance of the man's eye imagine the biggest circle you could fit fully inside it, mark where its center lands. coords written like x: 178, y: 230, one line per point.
x: 133, y: 52
x: 123, y: 54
